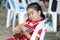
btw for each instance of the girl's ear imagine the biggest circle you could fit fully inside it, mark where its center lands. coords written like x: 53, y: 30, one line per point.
x: 39, y: 12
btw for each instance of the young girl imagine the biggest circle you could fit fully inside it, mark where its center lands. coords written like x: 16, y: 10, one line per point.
x: 35, y: 15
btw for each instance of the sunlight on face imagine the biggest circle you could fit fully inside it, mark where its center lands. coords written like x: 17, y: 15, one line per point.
x: 33, y: 14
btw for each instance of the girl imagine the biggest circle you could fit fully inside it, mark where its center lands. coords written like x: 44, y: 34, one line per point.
x: 35, y: 15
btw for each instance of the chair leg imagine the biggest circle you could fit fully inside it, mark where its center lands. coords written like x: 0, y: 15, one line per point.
x: 14, y: 18
x: 54, y: 20
x: 12, y: 13
x: 8, y: 19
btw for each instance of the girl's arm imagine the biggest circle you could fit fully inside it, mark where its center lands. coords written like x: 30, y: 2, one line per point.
x: 18, y: 27
x: 29, y: 36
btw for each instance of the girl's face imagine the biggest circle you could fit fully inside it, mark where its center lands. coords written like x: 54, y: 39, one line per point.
x: 33, y: 14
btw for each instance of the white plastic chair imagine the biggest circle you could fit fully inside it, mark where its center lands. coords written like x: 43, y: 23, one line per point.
x: 10, y: 12
x: 54, y: 16
x: 42, y: 26
x: 58, y: 8
x: 15, y: 10
x: 21, y: 12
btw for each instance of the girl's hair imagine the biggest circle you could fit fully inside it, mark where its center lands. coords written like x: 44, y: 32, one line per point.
x: 36, y: 7
x: 20, y: 0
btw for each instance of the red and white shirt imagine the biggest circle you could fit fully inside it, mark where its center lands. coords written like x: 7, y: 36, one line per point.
x: 32, y: 25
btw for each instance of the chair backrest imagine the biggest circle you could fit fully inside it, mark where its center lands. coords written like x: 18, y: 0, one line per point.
x: 52, y: 6
x: 58, y: 6
x: 41, y: 25
x: 11, y: 3
x: 16, y: 2
x: 19, y: 4
x: 31, y: 1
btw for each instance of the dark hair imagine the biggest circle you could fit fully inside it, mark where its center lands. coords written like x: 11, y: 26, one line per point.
x: 20, y: 0
x: 36, y: 7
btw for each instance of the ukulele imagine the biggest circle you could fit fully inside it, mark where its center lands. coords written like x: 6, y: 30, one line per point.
x: 18, y: 35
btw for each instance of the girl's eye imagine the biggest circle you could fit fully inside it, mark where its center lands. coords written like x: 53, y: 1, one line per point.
x: 32, y: 13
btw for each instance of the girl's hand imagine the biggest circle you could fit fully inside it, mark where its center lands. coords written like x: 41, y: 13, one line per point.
x: 21, y: 26
x: 27, y: 34
x: 15, y: 29
x: 36, y: 38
